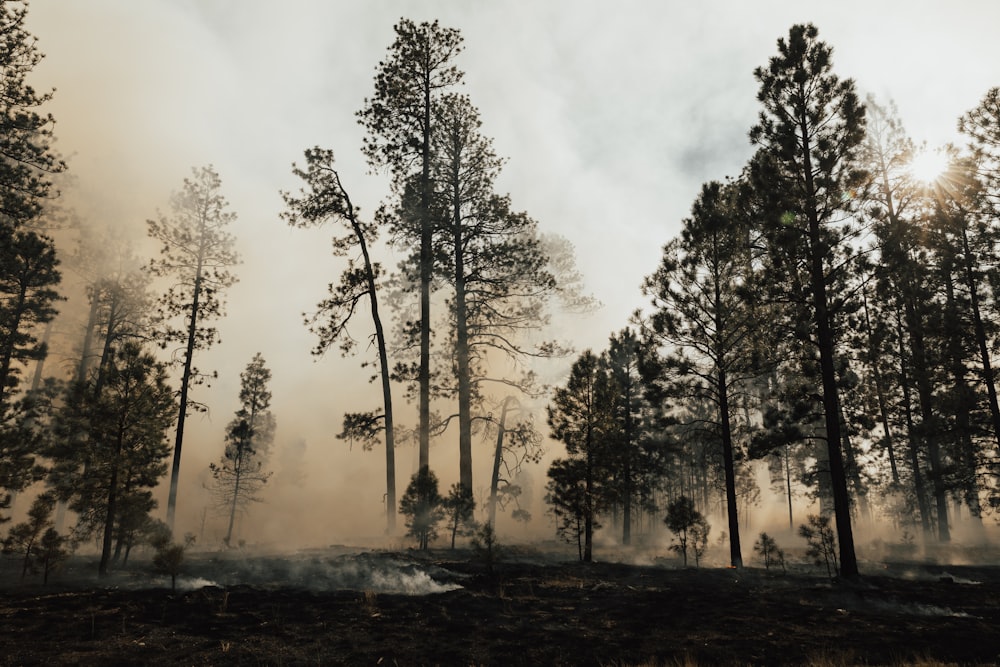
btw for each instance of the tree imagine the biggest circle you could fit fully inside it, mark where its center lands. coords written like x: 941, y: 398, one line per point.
x: 24, y: 537
x: 486, y: 547
x: 169, y: 556
x: 704, y: 316
x: 458, y: 507
x: 769, y: 551
x: 421, y: 505
x: 25, y: 436
x: 822, y: 543
x: 113, y: 447
x: 905, y: 289
x: 325, y: 200
x: 239, y: 475
x: 688, y: 526
x: 50, y: 553
x: 27, y: 160
x: 566, y: 495
x: 399, y: 122
x: 634, y: 457
x: 579, y: 416
x: 809, y: 130
x: 517, y: 442
x: 197, y: 253
x: 28, y: 275
x: 494, y: 261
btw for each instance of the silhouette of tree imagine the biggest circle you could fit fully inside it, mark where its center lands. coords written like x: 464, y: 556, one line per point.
x: 458, y: 507
x: 239, y: 475
x: 580, y: 416
x: 399, y: 122
x: 107, y: 473
x: 197, y: 253
x: 809, y: 131
x: 421, y: 505
x: 325, y: 200
x: 705, y: 317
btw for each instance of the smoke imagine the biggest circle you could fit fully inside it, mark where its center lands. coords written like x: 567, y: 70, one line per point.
x: 611, y: 121
x: 325, y: 570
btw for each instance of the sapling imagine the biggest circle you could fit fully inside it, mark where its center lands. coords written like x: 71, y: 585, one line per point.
x: 822, y: 543
x: 768, y: 549
x: 50, y: 553
x: 170, y: 557
x: 689, y: 528
x: 485, y: 546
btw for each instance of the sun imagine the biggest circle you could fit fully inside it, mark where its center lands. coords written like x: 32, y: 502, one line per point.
x: 928, y: 166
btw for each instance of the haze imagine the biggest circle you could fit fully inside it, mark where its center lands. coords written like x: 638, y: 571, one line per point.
x: 611, y: 117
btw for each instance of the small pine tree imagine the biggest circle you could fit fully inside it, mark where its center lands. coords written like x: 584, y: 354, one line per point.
x: 486, y: 548
x: 767, y: 548
x: 23, y: 538
x: 421, y: 505
x: 689, y: 528
x: 169, y: 556
x: 50, y: 553
x: 699, y: 539
x: 458, y: 507
x: 822, y: 543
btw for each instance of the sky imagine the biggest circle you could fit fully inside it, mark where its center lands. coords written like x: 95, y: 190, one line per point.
x: 611, y: 116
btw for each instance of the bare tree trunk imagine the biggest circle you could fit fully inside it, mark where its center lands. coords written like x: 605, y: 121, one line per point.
x: 497, y: 459
x: 826, y: 344
x: 175, y: 469
x: 109, y: 517
x: 984, y: 352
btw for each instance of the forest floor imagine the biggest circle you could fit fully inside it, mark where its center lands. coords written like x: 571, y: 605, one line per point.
x: 343, y: 607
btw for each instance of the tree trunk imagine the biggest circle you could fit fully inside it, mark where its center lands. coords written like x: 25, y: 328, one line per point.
x: 912, y: 438
x: 825, y: 340
x: 964, y: 400
x: 928, y: 426
x: 426, y: 275
x: 984, y: 352
x: 462, y: 346
x: 175, y: 469
x: 383, y: 360
x: 788, y: 484
x: 735, y: 554
x: 88, y: 336
x: 7, y: 354
x: 880, y: 392
x: 497, y: 459
x: 109, y: 517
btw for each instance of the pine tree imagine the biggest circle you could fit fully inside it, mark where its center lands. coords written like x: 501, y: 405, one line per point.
x: 197, y: 253
x: 325, y: 200
x: 703, y: 294
x: 239, y: 475
x: 580, y: 416
x: 399, y: 121
x: 495, y: 263
x: 809, y: 131
x: 421, y: 505
x: 114, y: 447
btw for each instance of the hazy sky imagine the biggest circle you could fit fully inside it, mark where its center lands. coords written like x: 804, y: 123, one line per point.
x: 611, y: 114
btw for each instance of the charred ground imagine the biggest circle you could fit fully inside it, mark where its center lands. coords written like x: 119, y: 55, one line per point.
x: 330, y: 607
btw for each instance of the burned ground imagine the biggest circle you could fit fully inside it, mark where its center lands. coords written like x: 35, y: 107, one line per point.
x: 331, y: 607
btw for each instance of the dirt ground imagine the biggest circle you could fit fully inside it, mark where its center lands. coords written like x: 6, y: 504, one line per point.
x: 335, y: 607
